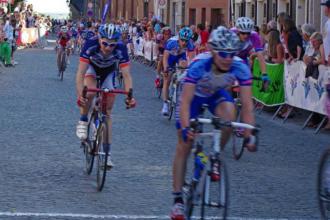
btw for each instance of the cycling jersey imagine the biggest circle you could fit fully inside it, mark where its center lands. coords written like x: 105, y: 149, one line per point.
x: 63, y: 38
x: 175, y: 52
x: 211, y: 88
x: 87, y: 34
x: 103, y: 66
x: 74, y: 32
x: 253, y: 44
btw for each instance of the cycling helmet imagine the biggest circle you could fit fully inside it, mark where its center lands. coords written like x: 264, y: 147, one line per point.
x: 109, y: 31
x: 185, y: 33
x: 64, y: 29
x: 223, y: 39
x: 245, y: 24
x: 166, y: 29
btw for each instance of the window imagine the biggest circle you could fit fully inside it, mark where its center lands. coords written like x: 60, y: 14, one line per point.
x: 253, y: 14
x: 124, y: 9
x: 183, y: 14
x: 203, y: 16
x: 192, y: 16
x: 217, y: 17
x: 265, y: 10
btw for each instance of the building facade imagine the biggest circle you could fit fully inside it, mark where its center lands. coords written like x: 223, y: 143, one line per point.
x: 262, y: 11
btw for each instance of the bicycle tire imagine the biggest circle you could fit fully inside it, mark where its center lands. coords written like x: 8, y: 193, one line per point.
x: 90, y: 148
x: 222, y: 187
x: 189, y: 201
x: 323, y: 195
x: 63, y: 65
x: 171, y: 110
x: 101, y: 157
x: 238, y: 144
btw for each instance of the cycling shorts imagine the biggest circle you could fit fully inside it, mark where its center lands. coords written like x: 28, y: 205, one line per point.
x: 109, y: 81
x: 196, y: 105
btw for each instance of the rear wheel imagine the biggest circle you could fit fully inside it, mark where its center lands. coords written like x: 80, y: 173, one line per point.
x: 323, y: 185
x: 215, y: 193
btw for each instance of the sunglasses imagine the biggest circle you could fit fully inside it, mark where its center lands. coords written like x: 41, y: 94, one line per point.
x: 244, y: 33
x: 184, y: 41
x: 106, y: 44
x: 226, y: 54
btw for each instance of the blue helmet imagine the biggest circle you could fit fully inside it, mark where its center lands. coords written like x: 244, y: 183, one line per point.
x: 185, y: 33
x: 109, y: 31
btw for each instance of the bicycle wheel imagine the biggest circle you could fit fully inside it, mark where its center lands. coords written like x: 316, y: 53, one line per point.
x: 238, y: 143
x: 89, y: 148
x: 189, y: 199
x: 102, y: 157
x: 171, y: 109
x: 323, y: 185
x: 63, y: 65
x: 215, y: 193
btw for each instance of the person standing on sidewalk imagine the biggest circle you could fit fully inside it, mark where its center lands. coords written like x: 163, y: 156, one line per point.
x: 326, y: 33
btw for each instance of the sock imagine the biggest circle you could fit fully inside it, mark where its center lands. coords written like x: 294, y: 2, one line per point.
x: 177, y: 197
x: 107, y: 147
x: 84, y: 118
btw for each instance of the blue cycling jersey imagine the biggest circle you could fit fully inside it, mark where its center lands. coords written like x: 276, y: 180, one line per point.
x: 208, y: 83
x: 175, y: 52
x: 87, y: 34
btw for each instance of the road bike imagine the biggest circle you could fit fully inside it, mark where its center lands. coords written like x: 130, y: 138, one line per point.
x: 98, y: 133
x: 323, y: 185
x: 177, y: 75
x: 61, y: 61
x: 208, y: 186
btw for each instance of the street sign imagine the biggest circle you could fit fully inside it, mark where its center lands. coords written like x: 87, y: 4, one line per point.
x: 90, y: 5
x: 90, y: 13
x: 162, y: 3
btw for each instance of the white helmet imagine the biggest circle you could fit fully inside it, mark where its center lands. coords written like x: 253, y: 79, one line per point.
x: 245, y: 24
x: 64, y: 29
x: 223, y: 39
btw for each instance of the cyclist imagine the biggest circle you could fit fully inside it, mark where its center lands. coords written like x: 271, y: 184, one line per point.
x: 63, y: 41
x: 205, y: 83
x: 175, y: 53
x: 252, y: 45
x: 161, y: 40
x: 100, y: 56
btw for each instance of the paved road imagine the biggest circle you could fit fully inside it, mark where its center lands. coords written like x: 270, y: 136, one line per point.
x: 41, y: 166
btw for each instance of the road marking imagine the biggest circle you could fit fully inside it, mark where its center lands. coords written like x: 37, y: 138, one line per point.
x: 91, y: 216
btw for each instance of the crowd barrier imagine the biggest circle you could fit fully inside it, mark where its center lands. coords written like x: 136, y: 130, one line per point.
x: 32, y: 36
x: 145, y: 51
x: 290, y: 86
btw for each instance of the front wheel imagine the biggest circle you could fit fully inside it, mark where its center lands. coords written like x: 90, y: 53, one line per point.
x: 323, y: 185
x: 102, y: 157
x: 238, y: 143
x: 215, y: 193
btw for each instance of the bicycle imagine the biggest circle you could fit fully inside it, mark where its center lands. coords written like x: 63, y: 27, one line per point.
x: 98, y: 133
x: 61, y: 62
x: 323, y: 185
x: 208, y: 186
x: 178, y: 74
x: 159, y: 82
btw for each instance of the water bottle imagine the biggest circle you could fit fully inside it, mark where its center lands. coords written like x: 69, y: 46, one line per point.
x: 200, y: 161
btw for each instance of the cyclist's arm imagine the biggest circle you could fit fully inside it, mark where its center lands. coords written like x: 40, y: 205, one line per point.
x: 127, y: 77
x: 247, y: 107
x: 262, y: 61
x: 187, y: 96
x: 82, y: 68
x: 165, y: 59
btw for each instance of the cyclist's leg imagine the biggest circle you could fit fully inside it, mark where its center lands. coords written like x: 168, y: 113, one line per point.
x: 222, y: 105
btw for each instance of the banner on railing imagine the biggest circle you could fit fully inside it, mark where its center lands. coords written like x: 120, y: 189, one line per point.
x: 306, y: 93
x: 29, y: 35
x: 274, y: 95
x: 147, y: 47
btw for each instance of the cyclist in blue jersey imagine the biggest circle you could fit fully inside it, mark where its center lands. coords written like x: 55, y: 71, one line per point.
x: 100, y: 57
x: 207, y: 79
x: 175, y: 53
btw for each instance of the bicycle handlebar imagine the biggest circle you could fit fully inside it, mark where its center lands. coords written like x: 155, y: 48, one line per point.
x: 219, y: 123
x: 106, y: 90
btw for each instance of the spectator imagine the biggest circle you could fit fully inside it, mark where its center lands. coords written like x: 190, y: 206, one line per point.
x: 317, y: 57
x: 294, y: 42
x: 327, y: 105
x: 195, y: 34
x: 275, y: 50
x: 327, y: 30
x: 307, y: 31
x: 203, y: 38
x: 6, y: 44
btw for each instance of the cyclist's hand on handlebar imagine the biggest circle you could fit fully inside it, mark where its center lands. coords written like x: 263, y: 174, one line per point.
x: 130, y: 103
x: 251, y: 143
x: 82, y: 102
x: 187, y: 134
